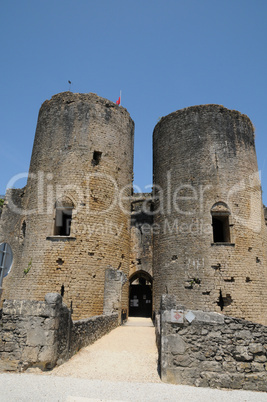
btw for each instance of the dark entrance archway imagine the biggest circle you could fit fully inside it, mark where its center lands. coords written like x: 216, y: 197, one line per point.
x: 140, y: 294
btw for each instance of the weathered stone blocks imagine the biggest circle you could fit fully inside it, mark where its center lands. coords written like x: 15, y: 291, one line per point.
x: 42, y: 334
x: 212, y: 350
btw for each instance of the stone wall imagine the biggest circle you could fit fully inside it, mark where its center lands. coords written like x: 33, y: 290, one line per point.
x: 11, y: 224
x: 87, y: 331
x: 206, y: 177
x: 141, y: 233
x: 210, y: 349
x: 114, y: 281
x: 42, y: 334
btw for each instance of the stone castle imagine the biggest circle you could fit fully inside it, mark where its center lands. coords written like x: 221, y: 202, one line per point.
x: 77, y: 228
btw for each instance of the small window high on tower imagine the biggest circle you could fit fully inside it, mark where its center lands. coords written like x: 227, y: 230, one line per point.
x: 63, y: 217
x: 96, y: 158
x: 220, y: 223
x: 221, y: 231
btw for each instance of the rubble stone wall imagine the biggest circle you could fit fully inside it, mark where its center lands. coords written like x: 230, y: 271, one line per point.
x: 87, y: 331
x: 213, y: 350
x: 42, y: 333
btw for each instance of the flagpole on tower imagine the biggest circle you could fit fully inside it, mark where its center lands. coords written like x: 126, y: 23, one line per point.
x: 118, y: 102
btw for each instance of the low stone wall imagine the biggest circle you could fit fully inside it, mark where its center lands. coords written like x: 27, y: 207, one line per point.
x: 42, y: 334
x: 87, y: 331
x: 210, y: 349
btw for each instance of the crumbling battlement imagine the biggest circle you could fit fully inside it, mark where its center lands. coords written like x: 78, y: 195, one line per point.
x: 216, y: 110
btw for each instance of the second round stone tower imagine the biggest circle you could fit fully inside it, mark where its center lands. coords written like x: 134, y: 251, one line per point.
x: 76, y: 207
x: 209, y: 234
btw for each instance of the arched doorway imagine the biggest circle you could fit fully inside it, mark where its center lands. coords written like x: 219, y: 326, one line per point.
x: 140, y: 294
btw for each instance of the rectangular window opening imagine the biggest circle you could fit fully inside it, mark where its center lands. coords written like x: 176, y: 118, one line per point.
x: 96, y: 158
x: 221, y: 229
x: 63, y: 222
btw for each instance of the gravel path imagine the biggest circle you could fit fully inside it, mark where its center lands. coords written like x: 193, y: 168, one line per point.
x: 128, y: 353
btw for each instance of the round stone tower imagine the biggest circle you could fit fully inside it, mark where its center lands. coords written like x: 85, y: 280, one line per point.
x: 75, y: 220
x: 209, y: 233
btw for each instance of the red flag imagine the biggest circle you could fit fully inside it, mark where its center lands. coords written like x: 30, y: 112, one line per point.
x: 118, y: 101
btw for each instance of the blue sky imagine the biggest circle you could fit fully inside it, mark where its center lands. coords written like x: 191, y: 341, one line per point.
x: 163, y: 55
